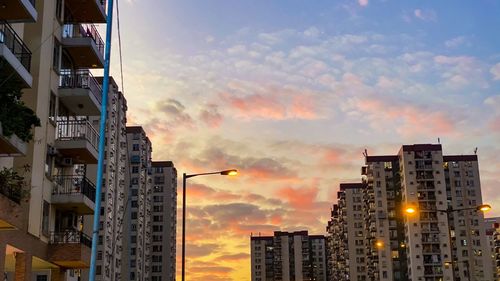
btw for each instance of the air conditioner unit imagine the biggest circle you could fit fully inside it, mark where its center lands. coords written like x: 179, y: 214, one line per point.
x: 67, y: 162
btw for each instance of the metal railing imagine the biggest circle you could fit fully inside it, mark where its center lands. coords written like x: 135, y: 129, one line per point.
x: 73, y: 185
x: 84, y: 31
x: 80, y: 78
x: 13, y: 194
x: 9, y: 38
x: 77, y: 129
x: 70, y: 236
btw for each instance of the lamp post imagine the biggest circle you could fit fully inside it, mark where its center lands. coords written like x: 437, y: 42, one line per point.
x: 185, y: 176
x: 483, y: 208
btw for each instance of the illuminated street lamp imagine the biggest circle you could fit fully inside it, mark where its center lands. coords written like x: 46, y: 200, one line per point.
x: 379, y: 244
x: 232, y: 172
x: 410, y: 210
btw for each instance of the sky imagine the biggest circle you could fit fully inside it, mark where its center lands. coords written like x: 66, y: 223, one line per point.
x: 291, y: 92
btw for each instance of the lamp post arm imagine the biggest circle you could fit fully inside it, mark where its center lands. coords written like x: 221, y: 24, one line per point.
x: 201, y: 174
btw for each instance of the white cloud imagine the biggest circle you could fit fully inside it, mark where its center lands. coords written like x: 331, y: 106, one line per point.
x: 495, y: 70
x: 209, y: 39
x: 363, y: 3
x: 425, y: 15
x: 312, y: 32
x: 456, y: 42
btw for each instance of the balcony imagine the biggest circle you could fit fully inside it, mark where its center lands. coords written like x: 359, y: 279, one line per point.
x: 82, y: 11
x: 74, y: 193
x: 11, y: 145
x: 80, y: 92
x: 84, y: 45
x: 15, y: 59
x: 78, y: 140
x: 70, y: 249
x: 18, y: 11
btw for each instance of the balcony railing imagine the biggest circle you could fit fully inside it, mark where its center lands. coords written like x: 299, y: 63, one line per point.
x: 77, y: 129
x: 70, y: 237
x: 67, y: 185
x: 9, y: 38
x: 84, y: 31
x: 82, y: 79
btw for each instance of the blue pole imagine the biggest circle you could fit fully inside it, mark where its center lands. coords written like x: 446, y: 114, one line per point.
x: 102, y: 138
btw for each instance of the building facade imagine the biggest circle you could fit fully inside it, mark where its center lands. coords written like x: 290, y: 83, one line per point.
x: 164, y: 222
x: 443, y: 192
x: 349, y: 260
x: 138, y: 224
x: 492, y: 226
x: 47, y: 49
x: 113, y: 194
x: 288, y: 256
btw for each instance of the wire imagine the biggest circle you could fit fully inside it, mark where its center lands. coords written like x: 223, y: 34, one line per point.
x: 119, y: 44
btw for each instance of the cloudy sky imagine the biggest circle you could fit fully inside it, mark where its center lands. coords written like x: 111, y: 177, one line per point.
x: 291, y: 93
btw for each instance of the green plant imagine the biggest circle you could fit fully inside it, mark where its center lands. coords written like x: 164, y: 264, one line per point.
x: 13, y: 185
x: 16, y: 117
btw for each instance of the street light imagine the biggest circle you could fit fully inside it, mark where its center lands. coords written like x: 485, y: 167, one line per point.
x: 410, y: 210
x: 231, y: 172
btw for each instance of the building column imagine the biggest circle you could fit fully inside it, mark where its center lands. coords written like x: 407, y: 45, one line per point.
x: 57, y: 274
x: 23, y: 267
x: 2, y: 259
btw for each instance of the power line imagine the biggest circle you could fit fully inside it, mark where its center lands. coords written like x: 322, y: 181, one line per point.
x: 119, y: 44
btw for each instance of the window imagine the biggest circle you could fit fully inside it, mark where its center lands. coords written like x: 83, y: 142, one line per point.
x: 56, y: 56
x: 133, y: 239
x: 135, y: 147
x: 157, y: 198
x: 49, y: 161
x: 135, y: 159
x: 45, y: 218
x: 158, y: 188
x: 157, y: 208
x: 133, y: 251
x: 41, y: 278
x: 133, y: 215
x: 133, y: 227
x: 135, y: 192
x: 132, y: 275
x: 157, y: 218
x: 52, y: 107
x: 157, y: 248
x: 159, y: 180
x: 134, y: 204
x: 98, y: 270
x: 157, y: 228
x: 135, y: 169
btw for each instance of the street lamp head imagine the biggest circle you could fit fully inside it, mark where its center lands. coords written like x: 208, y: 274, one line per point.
x: 410, y: 210
x: 379, y: 244
x: 232, y: 172
x: 484, y: 208
x: 447, y: 263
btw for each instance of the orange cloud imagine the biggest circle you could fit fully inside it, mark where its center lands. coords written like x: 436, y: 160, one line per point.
x: 257, y: 106
x: 406, y: 119
x: 299, y: 198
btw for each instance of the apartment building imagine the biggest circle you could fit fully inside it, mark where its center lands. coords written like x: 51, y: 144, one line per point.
x: 114, y: 191
x: 443, y: 191
x: 492, y: 226
x: 349, y: 219
x: 287, y: 256
x: 335, y: 267
x: 138, y: 224
x: 47, y: 49
x: 164, y: 212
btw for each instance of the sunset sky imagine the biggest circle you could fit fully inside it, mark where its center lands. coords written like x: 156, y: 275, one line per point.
x: 291, y: 92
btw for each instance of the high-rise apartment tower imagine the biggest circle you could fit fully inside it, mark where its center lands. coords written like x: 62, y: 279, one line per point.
x: 288, y: 256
